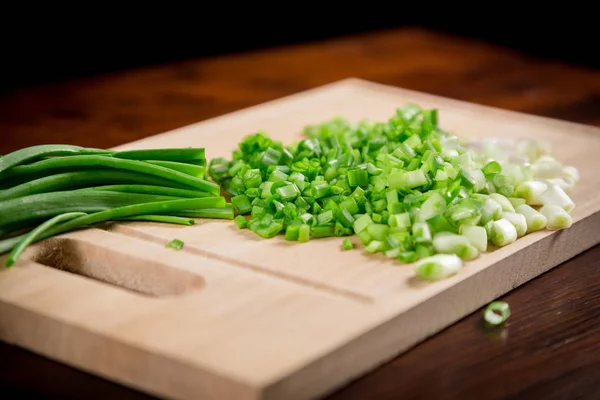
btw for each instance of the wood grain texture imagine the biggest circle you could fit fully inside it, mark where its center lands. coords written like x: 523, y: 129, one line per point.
x: 385, y: 52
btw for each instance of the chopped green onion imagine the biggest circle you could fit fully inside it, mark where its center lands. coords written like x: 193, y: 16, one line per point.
x: 476, y: 235
x: 554, y: 195
x: 518, y: 221
x: 438, y: 266
x: 175, y: 244
x: 347, y: 244
x: 535, y: 220
x: 496, y: 313
x: 531, y: 192
x: 241, y: 221
x: 503, y: 201
x: 556, y: 217
x: 503, y: 232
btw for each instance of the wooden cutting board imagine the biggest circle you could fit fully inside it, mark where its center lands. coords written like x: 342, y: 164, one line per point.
x: 234, y: 316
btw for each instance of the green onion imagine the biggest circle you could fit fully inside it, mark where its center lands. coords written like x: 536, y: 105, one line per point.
x: 241, y: 221
x: 438, y: 266
x: 148, y: 189
x: 86, y: 179
x: 171, y: 154
x: 531, y: 191
x: 406, y: 187
x: 554, y: 195
x: 217, y: 212
x: 496, y: 313
x: 535, y: 220
x: 46, y: 150
x: 196, y: 171
x: 168, y: 219
x: 518, y: 221
x: 44, y: 205
x: 50, y: 204
x: 176, y: 244
x: 556, y: 217
x: 52, y: 189
x: 94, y: 161
x: 162, y: 207
x: 503, y: 233
x: 347, y: 244
x: 476, y: 235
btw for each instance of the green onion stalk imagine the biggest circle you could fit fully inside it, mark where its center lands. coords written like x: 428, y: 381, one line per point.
x: 47, y: 190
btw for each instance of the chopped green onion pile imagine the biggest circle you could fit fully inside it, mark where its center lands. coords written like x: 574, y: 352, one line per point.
x: 405, y: 187
x: 51, y: 189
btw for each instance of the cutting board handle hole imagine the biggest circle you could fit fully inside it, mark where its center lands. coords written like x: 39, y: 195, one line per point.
x: 136, y: 274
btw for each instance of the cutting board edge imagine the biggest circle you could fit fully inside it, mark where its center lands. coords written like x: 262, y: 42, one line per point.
x: 148, y: 383
x: 441, y: 306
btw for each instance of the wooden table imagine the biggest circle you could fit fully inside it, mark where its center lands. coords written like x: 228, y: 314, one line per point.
x: 550, y: 347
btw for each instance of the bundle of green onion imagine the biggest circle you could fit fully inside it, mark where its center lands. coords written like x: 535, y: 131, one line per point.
x: 51, y: 189
x: 405, y: 187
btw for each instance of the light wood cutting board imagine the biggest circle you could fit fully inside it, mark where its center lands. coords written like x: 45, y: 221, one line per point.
x: 234, y: 316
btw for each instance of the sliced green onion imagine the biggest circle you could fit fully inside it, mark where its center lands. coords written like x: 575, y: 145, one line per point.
x: 347, y: 244
x: 557, y: 218
x: 241, y: 221
x: 518, y: 220
x: 554, y: 195
x: 503, y: 232
x: 535, y: 220
x: 438, y: 266
x: 476, y: 235
x: 176, y: 244
x: 503, y: 201
x: 496, y: 313
x: 531, y: 191
x: 451, y: 243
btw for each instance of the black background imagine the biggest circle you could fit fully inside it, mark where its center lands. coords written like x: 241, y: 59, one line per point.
x: 51, y: 44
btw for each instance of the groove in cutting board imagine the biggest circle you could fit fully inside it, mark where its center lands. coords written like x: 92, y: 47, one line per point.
x: 93, y: 254
x: 125, y: 229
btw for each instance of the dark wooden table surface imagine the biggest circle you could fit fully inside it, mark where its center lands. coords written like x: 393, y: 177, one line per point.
x: 550, y: 348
